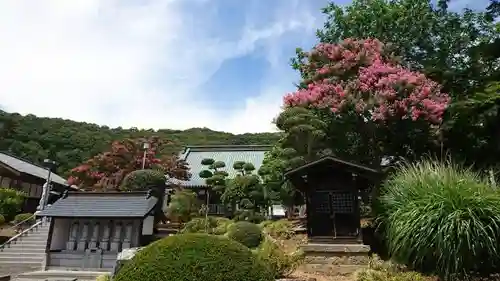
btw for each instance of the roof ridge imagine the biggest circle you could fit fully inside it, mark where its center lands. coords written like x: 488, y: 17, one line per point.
x: 108, y: 193
x: 250, y: 147
x: 22, y: 159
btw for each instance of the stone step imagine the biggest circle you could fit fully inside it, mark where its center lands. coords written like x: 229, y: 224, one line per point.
x: 47, y: 279
x: 20, y: 259
x: 60, y: 275
x: 33, y: 237
x: 26, y: 246
x: 17, y: 254
x: 29, y: 242
x: 23, y: 250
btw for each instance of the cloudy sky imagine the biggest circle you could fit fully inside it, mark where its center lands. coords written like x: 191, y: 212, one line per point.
x: 177, y: 64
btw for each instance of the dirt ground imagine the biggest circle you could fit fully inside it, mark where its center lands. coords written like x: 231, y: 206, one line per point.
x: 305, y: 276
x: 6, y: 230
x: 291, y: 245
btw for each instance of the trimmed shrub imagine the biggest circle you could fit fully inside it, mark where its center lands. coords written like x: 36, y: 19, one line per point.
x: 248, y: 215
x: 11, y: 202
x: 142, y: 180
x: 103, y: 277
x: 214, y: 225
x: 183, y: 206
x: 194, y: 257
x: 441, y: 218
x: 279, y: 262
x: 26, y: 217
x: 247, y: 233
x: 282, y: 229
x: 2, y: 220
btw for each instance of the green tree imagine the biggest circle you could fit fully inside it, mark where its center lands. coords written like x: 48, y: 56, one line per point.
x: 369, y: 106
x: 304, y: 134
x: 10, y: 202
x: 142, y: 180
x: 215, y: 178
x: 107, y: 170
x: 246, y: 190
x: 442, y: 44
x: 183, y: 205
x: 275, y: 163
x: 459, y: 50
x: 72, y: 143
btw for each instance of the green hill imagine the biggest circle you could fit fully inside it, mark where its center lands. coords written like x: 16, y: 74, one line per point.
x: 70, y: 143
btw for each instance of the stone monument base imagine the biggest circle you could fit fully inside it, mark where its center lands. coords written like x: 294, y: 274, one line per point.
x: 335, y: 259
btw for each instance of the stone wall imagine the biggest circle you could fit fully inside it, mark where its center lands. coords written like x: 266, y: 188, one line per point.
x: 335, y: 259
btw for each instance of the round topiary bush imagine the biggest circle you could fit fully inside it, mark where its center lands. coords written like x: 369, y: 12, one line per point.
x: 142, y: 179
x: 441, y: 218
x: 194, y: 257
x: 2, y: 220
x: 247, y: 233
x: 25, y: 218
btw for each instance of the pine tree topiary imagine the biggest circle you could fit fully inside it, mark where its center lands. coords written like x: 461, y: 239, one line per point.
x: 142, y: 179
x: 247, y: 233
x: 194, y: 257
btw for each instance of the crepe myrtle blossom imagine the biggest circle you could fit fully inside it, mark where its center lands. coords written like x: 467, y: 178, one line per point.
x: 361, y: 75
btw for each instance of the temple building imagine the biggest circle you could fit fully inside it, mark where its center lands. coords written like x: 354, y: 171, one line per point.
x: 229, y: 154
x: 20, y: 174
x: 88, y: 229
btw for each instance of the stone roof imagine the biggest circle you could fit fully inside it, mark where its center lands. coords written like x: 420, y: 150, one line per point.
x: 102, y: 205
x: 23, y: 166
x: 228, y: 154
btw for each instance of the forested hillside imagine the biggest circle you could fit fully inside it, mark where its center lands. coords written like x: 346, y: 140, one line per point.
x: 70, y: 143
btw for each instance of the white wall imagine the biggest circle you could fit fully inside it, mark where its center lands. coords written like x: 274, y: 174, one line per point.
x: 60, y: 233
x: 148, y: 225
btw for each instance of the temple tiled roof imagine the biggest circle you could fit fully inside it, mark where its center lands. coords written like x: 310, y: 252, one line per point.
x: 228, y: 154
x: 26, y: 167
x: 102, y: 205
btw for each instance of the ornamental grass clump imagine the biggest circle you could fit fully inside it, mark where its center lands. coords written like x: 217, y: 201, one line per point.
x: 441, y: 218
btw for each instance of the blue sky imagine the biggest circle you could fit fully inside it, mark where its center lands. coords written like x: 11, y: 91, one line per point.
x: 177, y: 64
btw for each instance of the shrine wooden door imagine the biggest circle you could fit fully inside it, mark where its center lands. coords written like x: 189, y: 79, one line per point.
x: 345, y: 213
x: 333, y: 213
x: 320, y: 214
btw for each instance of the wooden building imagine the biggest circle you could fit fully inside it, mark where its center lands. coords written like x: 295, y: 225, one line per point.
x: 229, y: 154
x: 20, y: 174
x: 88, y: 229
x: 333, y: 188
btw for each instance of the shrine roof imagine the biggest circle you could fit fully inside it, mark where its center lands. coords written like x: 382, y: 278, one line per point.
x: 24, y: 166
x: 229, y: 154
x: 99, y: 205
x: 332, y: 162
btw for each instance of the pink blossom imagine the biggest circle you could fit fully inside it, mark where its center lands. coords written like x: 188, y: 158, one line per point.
x: 369, y: 81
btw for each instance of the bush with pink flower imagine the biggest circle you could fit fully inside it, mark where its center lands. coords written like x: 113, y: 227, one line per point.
x: 360, y: 75
x: 368, y: 96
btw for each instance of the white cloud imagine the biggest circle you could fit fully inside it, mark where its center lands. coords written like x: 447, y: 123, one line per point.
x: 127, y: 65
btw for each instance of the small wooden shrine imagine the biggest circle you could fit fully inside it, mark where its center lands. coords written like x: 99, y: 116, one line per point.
x: 332, y: 189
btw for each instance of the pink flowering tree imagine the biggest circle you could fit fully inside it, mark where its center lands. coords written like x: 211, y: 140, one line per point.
x: 374, y: 107
x: 107, y: 170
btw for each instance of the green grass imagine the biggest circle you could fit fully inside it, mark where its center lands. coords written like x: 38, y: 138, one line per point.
x: 442, y: 218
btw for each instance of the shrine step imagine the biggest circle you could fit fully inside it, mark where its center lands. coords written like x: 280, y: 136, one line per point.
x: 59, y: 275
x: 26, y: 253
x: 335, y: 259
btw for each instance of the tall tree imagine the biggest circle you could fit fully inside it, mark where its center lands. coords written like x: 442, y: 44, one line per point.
x: 275, y: 163
x: 106, y: 171
x: 246, y: 190
x: 459, y: 50
x: 373, y: 107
